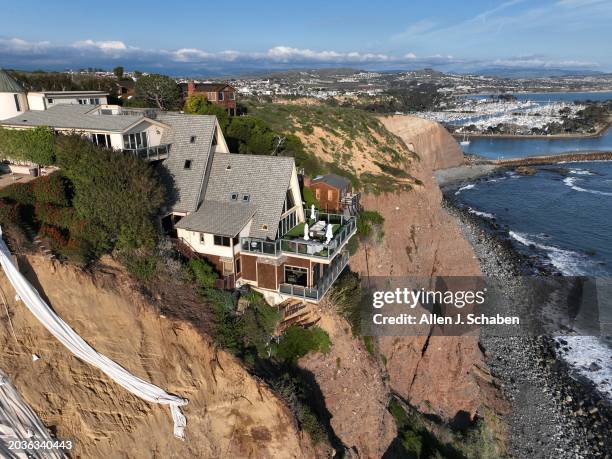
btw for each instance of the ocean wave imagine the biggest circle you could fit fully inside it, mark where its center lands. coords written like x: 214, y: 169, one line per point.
x: 465, y: 187
x: 580, y: 172
x: 480, y: 214
x: 582, y: 352
x: 571, y: 182
x: 567, y: 262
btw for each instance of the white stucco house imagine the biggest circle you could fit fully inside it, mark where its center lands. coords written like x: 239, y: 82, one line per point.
x: 14, y: 100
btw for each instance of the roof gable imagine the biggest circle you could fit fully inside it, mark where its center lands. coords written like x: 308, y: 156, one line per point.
x: 184, y: 182
x: 264, y: 179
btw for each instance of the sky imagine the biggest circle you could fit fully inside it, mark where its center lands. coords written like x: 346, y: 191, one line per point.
x: 191, y: 38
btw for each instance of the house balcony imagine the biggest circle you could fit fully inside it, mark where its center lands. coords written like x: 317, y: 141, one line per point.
x: 317, y: 292
x: 155, y: 153
x: 293, y: 243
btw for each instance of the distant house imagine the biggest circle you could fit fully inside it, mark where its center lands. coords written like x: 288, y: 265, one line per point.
x: 221, y: 94
x: 334, y: 192
x: 14, y: 100
x: 126, y: 88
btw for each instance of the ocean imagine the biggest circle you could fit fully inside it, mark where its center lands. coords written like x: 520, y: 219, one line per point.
x: 562, y: 215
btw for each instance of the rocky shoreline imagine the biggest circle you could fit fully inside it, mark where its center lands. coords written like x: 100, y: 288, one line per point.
x: 554, y: 412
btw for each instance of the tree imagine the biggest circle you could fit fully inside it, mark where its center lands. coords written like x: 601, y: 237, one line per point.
x: 118, y: 71
x: 159, y: 91
x: 199, y: 105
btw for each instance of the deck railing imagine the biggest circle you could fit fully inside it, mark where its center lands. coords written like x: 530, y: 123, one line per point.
x: 298, y: 246
x: 317, y: 292
x: 150, y: 153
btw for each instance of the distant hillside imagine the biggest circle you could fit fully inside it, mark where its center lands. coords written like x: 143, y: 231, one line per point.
x: 347, y: 141
x: 505, y: 72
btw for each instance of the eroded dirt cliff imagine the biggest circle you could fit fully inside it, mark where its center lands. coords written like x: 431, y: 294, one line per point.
x: 441, y: 376
x: 230, y: 413
x: 355, y: 392
x: 438, y: 375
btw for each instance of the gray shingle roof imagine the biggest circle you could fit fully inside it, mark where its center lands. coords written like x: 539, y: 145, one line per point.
x: 186, y: 184
x: 8, y: 84
x: 73, y: 116
x: 223, y: 218
x: 335, y: 180
x: 265, y: 179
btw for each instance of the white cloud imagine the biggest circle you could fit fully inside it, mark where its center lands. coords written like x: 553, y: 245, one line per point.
x: 106, y: 46
x: 21, y: 53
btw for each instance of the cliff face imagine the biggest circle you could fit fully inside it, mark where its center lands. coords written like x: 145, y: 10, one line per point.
x: 438, y: 375
x: 230, y: 413
x: 436, y: 147
x: 353, y: 388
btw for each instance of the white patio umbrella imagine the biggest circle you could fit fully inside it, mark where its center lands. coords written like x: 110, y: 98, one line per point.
x: 329, y: 233
x: 306, y: 236
x: 313, y: 213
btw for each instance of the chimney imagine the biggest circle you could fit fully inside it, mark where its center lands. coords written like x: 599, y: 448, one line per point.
x: 191, y: 87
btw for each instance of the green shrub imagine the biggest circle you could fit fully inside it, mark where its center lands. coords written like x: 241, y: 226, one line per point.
x: 366, y: 221
x: 50, y: 214
x: 141, y: 264
x: 203, y: 272
x: 9, y: 212
x: 257, y: 324
x: 296, y: 342
x: 199, y: 105
x: 227, y: 329
x: 34, y: 145
x: 50, y: 189
x: 309, y: 198
x: 18, y: 192
x: 76, y: 250
x: 346, y: 295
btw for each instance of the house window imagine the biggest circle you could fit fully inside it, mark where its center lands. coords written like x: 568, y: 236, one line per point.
x: 318, y: 194
x: 330, y: 195
x: 202, y: 239
x: 296, y: 276
x: 103, y: 140
x: 187, y: 164
x: 212, y: 96
x: 246, y: 198
x: 238, y: 266
x: 287, y: 223
x: 232, y: 96
x: 234, y: 197
x: 49, y: 100
x: 289, y: 202
x: 223, y: 241
x: 220, y: 96
x: 95, y: 101
x: 192, y: 139
x: 133, y: 141
x: 17, y: 104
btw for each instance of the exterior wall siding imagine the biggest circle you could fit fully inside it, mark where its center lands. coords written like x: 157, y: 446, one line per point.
x: 249, y: 267
x: 328, y: 196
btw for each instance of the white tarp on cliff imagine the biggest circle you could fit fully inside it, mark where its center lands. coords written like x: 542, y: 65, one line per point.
x: 18, y: 423
x: 69, y: 338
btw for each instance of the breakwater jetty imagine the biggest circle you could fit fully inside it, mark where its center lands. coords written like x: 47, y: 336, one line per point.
x: 553, y: 159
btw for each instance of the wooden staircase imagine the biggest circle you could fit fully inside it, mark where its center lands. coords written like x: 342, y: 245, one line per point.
x: 296, y: 312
